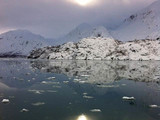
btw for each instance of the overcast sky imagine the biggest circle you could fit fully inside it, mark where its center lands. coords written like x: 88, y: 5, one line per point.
x: 54, y: 18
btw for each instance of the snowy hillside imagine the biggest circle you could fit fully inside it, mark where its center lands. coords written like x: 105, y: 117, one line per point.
x: 19, y: 43
x: 83, y: 31
x: 145, y: 24
x: 102, y: 49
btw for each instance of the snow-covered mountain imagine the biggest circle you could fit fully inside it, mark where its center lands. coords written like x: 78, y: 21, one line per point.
x: 20, y: 43
x: 87, y: 42
x: 144, y: 24
x: 83, y: 31
x: 99, y: 48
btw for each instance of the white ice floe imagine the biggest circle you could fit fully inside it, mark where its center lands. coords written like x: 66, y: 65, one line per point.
x: 44, y: 82
x: 77, y: 80
x: 37, y: 91
x: 82, y: 82
x: 128, y: 98
x: 49, y: 82
x: 85, y: 93
x: 51, y: 78
x: 38, y: 104
x: 5, y: 101
x: 66, y: 82
x: 95, y: 110
x: 87, y: 97
x: 154, y: 106
x: 24, y: 110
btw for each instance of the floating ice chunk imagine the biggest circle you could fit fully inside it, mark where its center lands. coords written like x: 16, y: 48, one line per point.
x: 85, y: 93
x: 128, y: 98
x: 87, y: 97
x: 51, y: 78
x: 95, y: 110
x: 24, y: 110
x: 82, y: 82
x: 38, y: 104
x: 36, y: 91
x: 154, y: 106
x: 49, y: 82
x: 77, y: 80
x: 66, y: 82
x: 5, y: 101
x: 44, y: 82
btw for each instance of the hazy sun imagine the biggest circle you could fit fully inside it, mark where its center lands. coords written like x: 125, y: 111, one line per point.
x: 82, y: 117
x: 83, y: 2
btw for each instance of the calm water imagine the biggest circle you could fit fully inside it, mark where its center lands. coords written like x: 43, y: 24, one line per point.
x: 78, y: 88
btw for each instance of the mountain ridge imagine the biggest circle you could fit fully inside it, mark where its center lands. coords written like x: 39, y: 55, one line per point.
x: 142, y: 25
x: 19, y: 43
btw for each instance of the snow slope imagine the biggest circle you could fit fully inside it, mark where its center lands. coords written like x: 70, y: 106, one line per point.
x: 83, y: 31
x: 145, y: 24
x: 20, y: 43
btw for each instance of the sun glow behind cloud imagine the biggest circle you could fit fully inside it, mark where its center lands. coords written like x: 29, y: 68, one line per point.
x: 82, y: 117
x: 54, y: 18
x: 84, y: 2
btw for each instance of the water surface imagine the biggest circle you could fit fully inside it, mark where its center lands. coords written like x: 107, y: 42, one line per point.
x: 72, y: 90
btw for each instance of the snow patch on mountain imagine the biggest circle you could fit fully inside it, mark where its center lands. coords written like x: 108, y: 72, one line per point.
x: 20, y: 43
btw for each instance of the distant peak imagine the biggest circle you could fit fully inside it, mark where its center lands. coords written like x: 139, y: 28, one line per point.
x: 83, y: 26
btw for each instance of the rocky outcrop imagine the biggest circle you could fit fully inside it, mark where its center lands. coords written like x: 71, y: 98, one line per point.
x: 99, y: 48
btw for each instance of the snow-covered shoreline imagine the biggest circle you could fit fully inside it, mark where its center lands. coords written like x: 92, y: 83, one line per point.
x: 99, y: 48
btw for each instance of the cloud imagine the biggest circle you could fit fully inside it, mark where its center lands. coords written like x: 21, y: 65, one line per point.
x: 54, y: 18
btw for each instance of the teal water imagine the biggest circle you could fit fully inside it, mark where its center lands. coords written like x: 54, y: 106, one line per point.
x: 78, y: 88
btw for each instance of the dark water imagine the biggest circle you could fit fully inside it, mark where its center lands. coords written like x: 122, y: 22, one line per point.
x: 79, y: 87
